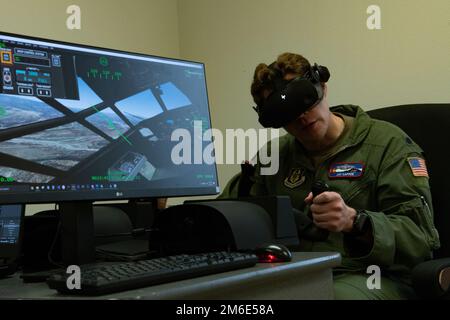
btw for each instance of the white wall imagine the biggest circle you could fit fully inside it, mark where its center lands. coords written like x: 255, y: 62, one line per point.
x: 407, y: 61
x: 147, y: 26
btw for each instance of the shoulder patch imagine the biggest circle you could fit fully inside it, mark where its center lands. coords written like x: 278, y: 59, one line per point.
x: 295, y: 178
x: 418, y: 167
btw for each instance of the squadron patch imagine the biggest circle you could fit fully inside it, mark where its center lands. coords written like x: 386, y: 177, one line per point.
x: 295, y: 178
x: 418, y: 167
x: 348, y: 170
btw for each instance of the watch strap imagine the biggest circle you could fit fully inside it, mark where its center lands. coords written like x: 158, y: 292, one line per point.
x: 360, y: 223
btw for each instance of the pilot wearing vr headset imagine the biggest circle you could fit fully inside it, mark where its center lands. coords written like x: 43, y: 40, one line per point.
x: 377, y: 208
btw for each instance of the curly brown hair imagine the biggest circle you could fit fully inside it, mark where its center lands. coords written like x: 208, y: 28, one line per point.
x: 264, y: 75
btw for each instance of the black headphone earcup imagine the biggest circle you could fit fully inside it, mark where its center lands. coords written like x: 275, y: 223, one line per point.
x: 319, y: 75
x: 323, y: 72
x: 314, y: 75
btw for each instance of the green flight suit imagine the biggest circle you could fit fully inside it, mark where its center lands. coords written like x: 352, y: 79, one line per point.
x: 396, y: 199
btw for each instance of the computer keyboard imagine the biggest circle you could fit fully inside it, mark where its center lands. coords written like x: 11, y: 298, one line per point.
x: 102, y: 278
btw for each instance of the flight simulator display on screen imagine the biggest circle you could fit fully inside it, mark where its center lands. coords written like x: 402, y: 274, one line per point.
x: 79, y: 122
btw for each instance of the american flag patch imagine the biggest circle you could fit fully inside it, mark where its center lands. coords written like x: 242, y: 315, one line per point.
x: 418, y: 167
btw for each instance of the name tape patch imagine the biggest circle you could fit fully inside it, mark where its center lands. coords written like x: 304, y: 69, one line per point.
x: 346, y: 170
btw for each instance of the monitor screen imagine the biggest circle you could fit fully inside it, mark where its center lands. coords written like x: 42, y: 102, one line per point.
x: 85, y: 123
x: 10, y: 222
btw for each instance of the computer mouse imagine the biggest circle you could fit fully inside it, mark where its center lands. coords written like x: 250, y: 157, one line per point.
x: 273, y: 252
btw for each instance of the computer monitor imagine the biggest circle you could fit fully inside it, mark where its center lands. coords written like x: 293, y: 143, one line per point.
x: 81, y: 123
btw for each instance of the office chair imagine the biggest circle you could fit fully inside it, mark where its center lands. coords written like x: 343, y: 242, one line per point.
x: 428, y: 125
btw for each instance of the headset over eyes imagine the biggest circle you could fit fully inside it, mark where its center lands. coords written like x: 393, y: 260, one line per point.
x: 291, y: 98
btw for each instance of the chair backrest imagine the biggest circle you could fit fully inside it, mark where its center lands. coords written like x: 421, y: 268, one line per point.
x: 429, y: 126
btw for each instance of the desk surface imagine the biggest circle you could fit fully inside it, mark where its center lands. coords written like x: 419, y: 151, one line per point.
x: 307, y: 276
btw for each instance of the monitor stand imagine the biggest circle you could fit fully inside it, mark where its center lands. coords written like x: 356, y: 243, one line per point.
x: 77, y: 232
x: 142, y: 212
x: 77, y: 226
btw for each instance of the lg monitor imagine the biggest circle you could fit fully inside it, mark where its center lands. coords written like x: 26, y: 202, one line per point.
x: 80, y: 124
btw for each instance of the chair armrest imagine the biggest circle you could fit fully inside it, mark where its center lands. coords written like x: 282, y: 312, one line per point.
x: 431, y: 279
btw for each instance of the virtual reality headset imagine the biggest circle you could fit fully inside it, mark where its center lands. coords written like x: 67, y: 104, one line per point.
x: 291, y: 98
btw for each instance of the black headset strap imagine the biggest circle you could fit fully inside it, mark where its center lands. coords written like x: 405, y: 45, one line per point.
x: 316, y: 72
x: 277, y: 79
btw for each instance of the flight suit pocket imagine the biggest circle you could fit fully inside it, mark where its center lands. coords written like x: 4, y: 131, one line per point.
x: 358, y: 196
x: 418, y: 210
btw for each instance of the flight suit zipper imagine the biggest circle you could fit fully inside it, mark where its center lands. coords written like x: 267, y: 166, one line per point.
x: 433, y: 238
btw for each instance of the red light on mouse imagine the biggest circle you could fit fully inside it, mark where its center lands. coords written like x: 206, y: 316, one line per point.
x: 271, y: 258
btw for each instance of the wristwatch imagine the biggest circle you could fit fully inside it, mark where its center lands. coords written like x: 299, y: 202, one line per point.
x: 360, y: 223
